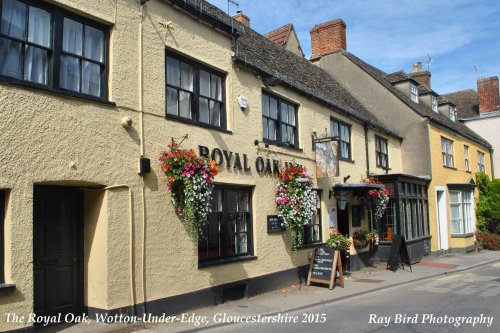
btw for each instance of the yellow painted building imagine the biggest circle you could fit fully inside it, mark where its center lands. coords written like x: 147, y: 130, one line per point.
x: 87, y: 108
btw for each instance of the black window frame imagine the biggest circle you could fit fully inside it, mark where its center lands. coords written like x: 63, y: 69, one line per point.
x: 195, y: 105
x: 379, y: 154
x: 349, y: 144
x: 224, y: 232
x: 55, y: 52
x: 314, y: 223
x: 280, y: 122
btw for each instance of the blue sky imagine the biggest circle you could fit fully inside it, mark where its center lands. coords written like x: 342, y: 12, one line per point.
x: 459, y: 35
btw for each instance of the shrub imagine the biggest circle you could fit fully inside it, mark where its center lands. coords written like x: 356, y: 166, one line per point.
x: 488, y: 240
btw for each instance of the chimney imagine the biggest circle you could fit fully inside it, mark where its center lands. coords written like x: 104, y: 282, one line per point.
x: 242, y: 18
x: 328, y: 37
x: 487, y: 94
x: 422, y: 77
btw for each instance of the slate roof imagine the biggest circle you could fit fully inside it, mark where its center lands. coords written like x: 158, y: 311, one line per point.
x: 278, y: 65
x: 280, y: 35
x: 424, y: 89
x: 466, y: 102
x: 397, y: 77
x: 437, y: 119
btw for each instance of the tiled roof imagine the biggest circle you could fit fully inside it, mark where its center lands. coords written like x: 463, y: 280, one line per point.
x: 424, y: 89
x: 436, y: 118
x: 397, y: 77
x: 259, y: 54
x: 466, y: 102
x: 443, y: 100
x: 280, y: 35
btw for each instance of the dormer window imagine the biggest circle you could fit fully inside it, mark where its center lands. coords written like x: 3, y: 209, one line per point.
x: 434, y: 104
x: 453, y: 113
x: 413, y: 92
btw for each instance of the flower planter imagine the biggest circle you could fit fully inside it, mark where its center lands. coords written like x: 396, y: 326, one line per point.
x: 360, y: 243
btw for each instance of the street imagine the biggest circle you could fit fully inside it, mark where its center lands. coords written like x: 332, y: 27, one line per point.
x: 467, y: 301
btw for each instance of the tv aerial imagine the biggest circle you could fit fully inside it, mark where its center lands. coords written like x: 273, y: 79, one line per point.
x: 232, y: 2
x: 429, y: 61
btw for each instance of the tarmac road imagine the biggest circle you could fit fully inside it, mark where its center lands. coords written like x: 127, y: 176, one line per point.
x: 467, y: 301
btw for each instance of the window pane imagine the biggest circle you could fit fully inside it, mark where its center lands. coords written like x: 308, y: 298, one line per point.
x: 290, y: 134
x: 265, y: 105
x: 216, y: 201
x: 173, y: 72
x: 91, y: 79
x: 13, y: 18
x: 243, y: 202
x: 72, y: 36
x: 39, y: 26
x: 284, y: 138
x: 204, y: 113
x: 186, y: 77
x: 215, y: 113
x: 272, y: 130
x: 232, y: 200
x: 291, y: 115
x: 10, y: 56
x: 94, y: 44
x: 265, y: 129
x: 335, y: 128
x: 35, y: 65
x: 216, y: 88
x: 204, y: 83
x: 185, y: 104
x: 70, y: 73
x: 273, y: 108
x: 172, y: 101
x: 284, y: 112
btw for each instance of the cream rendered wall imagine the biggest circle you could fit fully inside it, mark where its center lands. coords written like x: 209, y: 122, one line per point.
x: 388, y: 108
x: 441, y: 176
x: 488, y: 129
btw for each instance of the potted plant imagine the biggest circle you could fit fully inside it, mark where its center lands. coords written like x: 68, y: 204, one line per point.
x: 360, y: 238
x: 295, y: 200
x: 189, y: 178
x: 338, y: 241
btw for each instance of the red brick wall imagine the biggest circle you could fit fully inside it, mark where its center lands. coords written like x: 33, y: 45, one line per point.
x: 242, y: 18
x: 328, y: 37
x: 487, y: 93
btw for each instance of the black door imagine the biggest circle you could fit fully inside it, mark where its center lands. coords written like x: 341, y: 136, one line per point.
x: 58, y: 250
x: 343, y: 220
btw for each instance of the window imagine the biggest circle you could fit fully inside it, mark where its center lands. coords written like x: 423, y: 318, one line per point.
x: 228, y: 231
x: 2, y: 242
x: 466, y: 157
x: 453, y: 113
x: 413, y: 92
x: 194, y: 93
x: 480, y: 162
x: 388, y: 226
x: 382, y: 154
x: 434, y: 103
x: 343, y: 131
x: 312, y: 230
x: 44, y: 46
x: 414, y: 210
x: 447, y: 151
x: 279, y: 121
x: 461, y: 212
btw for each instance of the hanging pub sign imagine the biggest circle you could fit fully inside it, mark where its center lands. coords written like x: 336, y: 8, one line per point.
x: 327, y: 161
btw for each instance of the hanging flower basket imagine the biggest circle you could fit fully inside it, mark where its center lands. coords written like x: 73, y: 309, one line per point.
x: 189, y: 178
x: 338, y: 241
x: 295, y: 201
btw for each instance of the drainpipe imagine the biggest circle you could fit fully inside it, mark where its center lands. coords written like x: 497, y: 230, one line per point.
x: 492, y: 164
x: 366, y: 151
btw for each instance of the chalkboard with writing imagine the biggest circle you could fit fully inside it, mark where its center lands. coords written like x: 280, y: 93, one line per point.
x: 324, y: 266
x: 274, y: 224
x: 356, y: 216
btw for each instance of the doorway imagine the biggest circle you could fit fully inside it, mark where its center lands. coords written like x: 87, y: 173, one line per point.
x: 343, y: 220
x: 57, y: 250
x: 442, y: 219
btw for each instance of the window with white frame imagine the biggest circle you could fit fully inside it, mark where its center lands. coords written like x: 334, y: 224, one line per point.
x: 462, y: 221
x: 447, y: 151
x: 453, y: 113
x: 434, y: 103
x: 413, y: 92
x: 480, y: 162
x: 466, y: 158
x: 46, y: 47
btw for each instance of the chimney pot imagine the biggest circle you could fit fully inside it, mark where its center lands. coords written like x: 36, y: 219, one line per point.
x: 242, y: 18
x: 487, y: 94
x: 417, y: 67
x: 328, y: 37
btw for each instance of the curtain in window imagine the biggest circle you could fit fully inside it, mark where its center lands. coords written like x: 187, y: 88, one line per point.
x: 10, y: 54
x: 36, y: 59
x: 13, y: 24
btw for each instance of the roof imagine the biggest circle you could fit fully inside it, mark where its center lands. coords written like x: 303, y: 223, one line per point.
x: 424, y: 89
x: 397, y: 77
x: 280, y: 35
x: 279, y: 65
x: 466, y: 102
x: 437, y: 119
x: 443, y: 100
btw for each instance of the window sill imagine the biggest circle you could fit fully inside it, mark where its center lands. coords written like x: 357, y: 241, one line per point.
x: 462, y: 235
x: 194, y: 123
x: 312, y: 245
x: 217, y: 262
x: 384, y: 168
x: 348, y: 160
x: 281, y: 145
x: 57, y: 92
x: 468, y: 171
x: 7, y: 288
x: 449, y: 167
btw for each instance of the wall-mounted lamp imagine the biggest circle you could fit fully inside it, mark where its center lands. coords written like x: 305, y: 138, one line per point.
x: 342, y: 200
x: 256, y: 142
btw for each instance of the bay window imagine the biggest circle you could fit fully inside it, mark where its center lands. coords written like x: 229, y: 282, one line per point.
x: 462, y: 220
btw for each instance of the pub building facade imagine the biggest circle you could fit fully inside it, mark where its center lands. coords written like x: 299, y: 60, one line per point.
x: 93, y: 92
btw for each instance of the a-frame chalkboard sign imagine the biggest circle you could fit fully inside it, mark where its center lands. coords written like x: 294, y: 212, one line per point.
x: 325, y: 267
x: 398, y: 254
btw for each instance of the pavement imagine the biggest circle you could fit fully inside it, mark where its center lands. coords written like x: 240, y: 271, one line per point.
x: 298, y: 297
